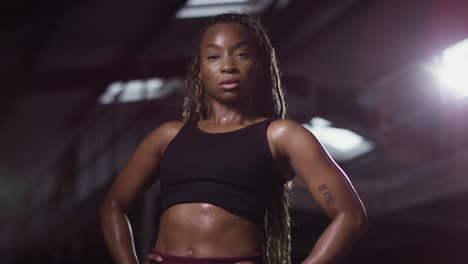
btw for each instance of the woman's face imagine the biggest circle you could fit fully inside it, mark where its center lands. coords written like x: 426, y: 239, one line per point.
x: 228, y: 63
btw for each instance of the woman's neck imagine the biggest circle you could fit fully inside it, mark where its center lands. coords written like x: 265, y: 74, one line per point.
x: 230, y: 114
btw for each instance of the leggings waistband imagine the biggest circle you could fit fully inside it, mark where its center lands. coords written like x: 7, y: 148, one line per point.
x: 257, y: 258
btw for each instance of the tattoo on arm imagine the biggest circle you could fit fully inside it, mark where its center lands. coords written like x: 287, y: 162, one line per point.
x: 325, y: 192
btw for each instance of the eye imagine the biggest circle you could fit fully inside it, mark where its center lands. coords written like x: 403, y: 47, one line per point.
x: 212, y: 57
x: 242, y: 55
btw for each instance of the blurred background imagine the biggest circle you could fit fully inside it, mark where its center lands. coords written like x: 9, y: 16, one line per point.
x: 382, y: 84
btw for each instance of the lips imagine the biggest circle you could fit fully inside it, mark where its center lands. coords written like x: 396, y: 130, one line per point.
x: 229, y: 83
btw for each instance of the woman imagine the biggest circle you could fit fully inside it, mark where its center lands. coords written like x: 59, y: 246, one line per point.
x: 226, y: 169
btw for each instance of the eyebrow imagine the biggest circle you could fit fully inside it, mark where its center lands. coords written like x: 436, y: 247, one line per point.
x: 237, y: 45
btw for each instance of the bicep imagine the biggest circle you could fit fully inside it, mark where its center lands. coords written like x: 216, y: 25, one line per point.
x: 324, y: 179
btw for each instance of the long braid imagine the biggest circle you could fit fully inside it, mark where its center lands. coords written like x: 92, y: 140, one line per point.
x: 269, y: 102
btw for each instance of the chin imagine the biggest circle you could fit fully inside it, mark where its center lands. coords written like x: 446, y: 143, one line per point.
x: 232, y: 98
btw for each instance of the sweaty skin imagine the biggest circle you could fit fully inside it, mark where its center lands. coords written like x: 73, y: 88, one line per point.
x: 227, y: 57
x: 228, y: 69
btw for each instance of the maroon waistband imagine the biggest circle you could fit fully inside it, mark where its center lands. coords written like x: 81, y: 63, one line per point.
x: 170, y: 259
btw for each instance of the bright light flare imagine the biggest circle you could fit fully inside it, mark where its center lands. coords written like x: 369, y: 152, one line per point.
x: 453, y: 69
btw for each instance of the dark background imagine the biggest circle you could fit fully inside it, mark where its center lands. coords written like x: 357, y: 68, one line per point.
x: 361, y: 64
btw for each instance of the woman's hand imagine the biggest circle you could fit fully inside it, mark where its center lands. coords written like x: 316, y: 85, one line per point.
x: 153, y: 258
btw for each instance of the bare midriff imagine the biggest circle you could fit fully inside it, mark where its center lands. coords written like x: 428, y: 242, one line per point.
x: 206, y: 230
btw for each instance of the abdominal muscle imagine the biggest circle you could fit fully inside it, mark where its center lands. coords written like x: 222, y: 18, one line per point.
x: 206, y: 230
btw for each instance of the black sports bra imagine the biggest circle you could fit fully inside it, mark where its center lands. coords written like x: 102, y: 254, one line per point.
x: 233, y: 170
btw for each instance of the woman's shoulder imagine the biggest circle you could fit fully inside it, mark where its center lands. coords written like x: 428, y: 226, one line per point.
x: 284, y: 131
x: 284, y: 125
x: 164, y: 133
x: 170, y: 127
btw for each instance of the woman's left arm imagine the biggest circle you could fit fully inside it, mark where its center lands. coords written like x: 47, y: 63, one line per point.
x: 329, y: 186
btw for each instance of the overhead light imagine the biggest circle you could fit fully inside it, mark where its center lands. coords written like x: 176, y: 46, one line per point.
x: 213, y: 2
x: 452, y: 69
x: 153, y: 87
x: 341, y: 144
x: 206, y: 8
x: 112, y: 91
x: 132, y: 91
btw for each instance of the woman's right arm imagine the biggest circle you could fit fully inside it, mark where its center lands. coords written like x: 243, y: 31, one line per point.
x: 138, y: 174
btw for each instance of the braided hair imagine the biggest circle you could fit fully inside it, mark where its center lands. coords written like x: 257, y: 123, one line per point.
x: 268, y: 101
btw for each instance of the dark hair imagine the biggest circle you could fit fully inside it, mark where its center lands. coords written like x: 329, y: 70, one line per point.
x: 268, y: 101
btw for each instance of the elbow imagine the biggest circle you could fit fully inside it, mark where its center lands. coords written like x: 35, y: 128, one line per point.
x: 356, y: 221
x: 360, y: 221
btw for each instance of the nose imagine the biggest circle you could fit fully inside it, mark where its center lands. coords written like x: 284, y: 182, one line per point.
x: 228, y: 66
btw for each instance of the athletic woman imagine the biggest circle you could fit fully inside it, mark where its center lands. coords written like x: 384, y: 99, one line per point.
x: 226, y: 169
